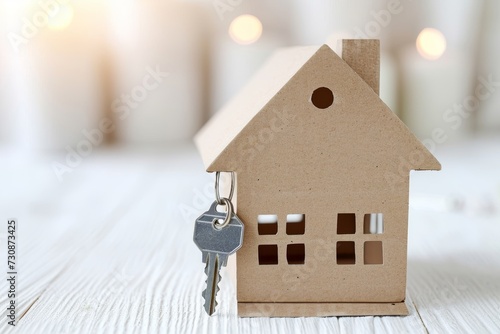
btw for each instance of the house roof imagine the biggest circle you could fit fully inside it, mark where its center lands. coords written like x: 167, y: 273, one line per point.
x: 216, y: 140
x: 227, y: 123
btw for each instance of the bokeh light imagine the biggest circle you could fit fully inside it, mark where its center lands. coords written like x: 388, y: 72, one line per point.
x: 431, y: 43
x: 63, y: 18
x: 245, y: 29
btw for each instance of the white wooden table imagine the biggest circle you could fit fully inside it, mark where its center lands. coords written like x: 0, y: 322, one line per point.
x: 109, y: 249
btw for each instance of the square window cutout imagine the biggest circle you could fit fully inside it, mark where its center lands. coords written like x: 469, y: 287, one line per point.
x: 295, y: 224
x: 296, y: 253
x: 267, y: 224
x: 373, y: 223
x: 345, y: 252
x: 268, y: 254
x: 373, y: 252
x: 346, y: 223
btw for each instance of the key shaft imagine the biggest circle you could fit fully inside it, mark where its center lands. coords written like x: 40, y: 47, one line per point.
x: 212, y: 270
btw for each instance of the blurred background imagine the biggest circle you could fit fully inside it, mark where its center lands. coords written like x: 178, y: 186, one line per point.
x: 100, y: 100
x: 149, y: 73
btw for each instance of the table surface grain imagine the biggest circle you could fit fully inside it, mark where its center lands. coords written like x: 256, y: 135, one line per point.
x: 109, y: 250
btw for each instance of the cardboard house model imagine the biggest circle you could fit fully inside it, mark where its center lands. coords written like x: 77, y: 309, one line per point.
x: 322, y: 168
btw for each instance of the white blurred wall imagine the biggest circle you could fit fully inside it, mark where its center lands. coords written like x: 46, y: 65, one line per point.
x: 67, y: 80
x: 489, y: 65
x: 168, y: 37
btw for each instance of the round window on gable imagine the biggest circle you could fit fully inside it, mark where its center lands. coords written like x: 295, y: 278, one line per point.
x: 322, y: 98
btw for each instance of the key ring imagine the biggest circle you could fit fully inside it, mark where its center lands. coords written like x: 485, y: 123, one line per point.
x: 229, y: 214
x: 217, y: 193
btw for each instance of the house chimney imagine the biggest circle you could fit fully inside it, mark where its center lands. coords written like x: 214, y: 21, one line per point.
x: 363, y: 56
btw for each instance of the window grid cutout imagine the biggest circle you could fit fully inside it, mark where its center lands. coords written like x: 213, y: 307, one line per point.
x: 373, y: 252
x: 295, y: 253
x: 346, y: 223
x: 268, y: 254
x: 346, y: 252
x: 295, y: 224
x: 267, y: 224
x: 373, y: 223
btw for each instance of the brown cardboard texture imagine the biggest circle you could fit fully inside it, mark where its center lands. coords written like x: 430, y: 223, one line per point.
x: 322, y: 169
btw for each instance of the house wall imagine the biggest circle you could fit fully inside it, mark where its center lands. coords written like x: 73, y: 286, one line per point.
x: 320, y: 278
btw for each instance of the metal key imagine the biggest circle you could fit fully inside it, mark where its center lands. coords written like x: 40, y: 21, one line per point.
x: 216, y: 244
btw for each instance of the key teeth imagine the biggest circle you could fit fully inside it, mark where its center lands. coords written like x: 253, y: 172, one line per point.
x: 217, y: 289
x: 204, y: 292
x: 206, y: 270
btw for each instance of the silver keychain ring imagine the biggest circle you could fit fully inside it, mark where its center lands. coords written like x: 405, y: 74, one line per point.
x: 217, y: 192
x: 229, y: 214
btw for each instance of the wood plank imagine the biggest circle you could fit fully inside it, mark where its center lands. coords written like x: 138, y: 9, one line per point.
x: 47, y: 243
x: 111, y: 251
